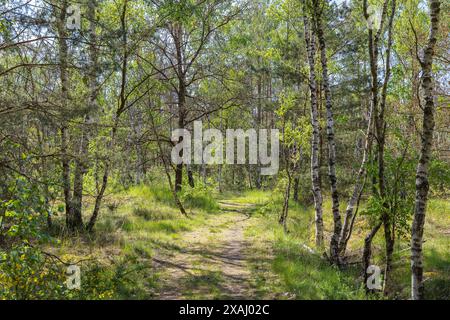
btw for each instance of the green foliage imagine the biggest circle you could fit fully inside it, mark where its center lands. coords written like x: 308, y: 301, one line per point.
x: 308, y: 276
x: 25, y: 272
x: 439, y: 177
x: 273, y: 205
x: 243, y: 65
x: 398, y: 201
x: 302, y: 274
x: 200, y: 197
x: 25, y: 214
x: 28, y: 272
x: 153, y: 215
x: 105, y: 281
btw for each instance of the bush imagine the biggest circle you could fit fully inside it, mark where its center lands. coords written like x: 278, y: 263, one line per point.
x: 200, y: 197
x: 439, y: 176
x: 26, y: 271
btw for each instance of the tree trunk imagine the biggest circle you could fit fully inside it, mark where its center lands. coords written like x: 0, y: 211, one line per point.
x: 73, y: 220
x: 296, y: 188
x: 190, y: 175
x: 166, y: 169
x: 422, y: 185
x: 362, y: 173
x: 182, y: 93
x: 287, y: 193
x: 334, y: 244
x: 373, y: 59
x: 357, y: 191
x: 42, y: 136
x: 381, y: 134
x: 367, y: 253
x: 315, y: 174
x: 104, y: 184
x: 389, y: 248
x: 81, y: 167
x: 136, y: 125
x: 285, y: 212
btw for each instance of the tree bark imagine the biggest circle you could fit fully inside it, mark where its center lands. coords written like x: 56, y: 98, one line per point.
x: 315, y: 174
x: 190, y: 175
x: 381, y: 134
x: 136, y: 125
x: 422, y: 184
x: 296, y: 188
x: 287, y: 195
x: 167, y: 170
x: 358, y: 189
x: 373, y: 59
x: 334, y: 243
x: 73, y: 220
x: 177, y: 35
x: 81, y: 165
x: 367, y: 252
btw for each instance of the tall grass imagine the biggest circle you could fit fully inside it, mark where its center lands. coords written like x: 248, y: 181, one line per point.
x: 200, y: 197
x: 309, y: 276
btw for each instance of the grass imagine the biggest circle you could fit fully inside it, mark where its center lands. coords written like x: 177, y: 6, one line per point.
x: 133, y: 226
x: 303, y: 275
x: 137, y: 224
x: 200, y: 280
x: 437, y: 250
x: 300, y: 274
x: 153, y: 223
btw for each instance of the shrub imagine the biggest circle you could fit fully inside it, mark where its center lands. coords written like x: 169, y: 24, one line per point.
x: 200, y: 197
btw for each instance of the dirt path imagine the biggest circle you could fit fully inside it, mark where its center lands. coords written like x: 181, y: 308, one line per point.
x: 210, y: 262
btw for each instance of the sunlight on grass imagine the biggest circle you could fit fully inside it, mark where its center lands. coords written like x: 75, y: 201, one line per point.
x: 137, y: 224
x: 308, y: 276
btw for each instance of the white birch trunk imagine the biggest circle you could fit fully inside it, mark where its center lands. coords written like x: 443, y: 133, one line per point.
x: 422, y: 185
x: 315, y: 174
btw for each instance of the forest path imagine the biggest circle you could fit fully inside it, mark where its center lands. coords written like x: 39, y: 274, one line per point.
x: 210, y: 262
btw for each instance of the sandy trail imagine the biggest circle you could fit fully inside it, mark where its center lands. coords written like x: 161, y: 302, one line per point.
x: 211, y: 262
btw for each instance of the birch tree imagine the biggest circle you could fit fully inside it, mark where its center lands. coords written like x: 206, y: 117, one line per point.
x: 89, y: 115
x: 422, y: 184
x: 373, y: 42
x: 315, y: 173
x: 334, y: 243
x: 73, y: 218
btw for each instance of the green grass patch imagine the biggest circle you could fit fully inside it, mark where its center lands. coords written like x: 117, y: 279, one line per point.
x: 308, y: 276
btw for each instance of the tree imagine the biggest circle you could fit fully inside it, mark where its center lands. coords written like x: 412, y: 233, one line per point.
x: 422, y: 183
x: 318, y: 27
x: 182, y: 39
x: 89, y: 115
x: 74, y: 219
x: 315, y: 174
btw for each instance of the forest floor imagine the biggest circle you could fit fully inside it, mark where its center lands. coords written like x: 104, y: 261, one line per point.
x: 232, y: 247
x: 211, y: 262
